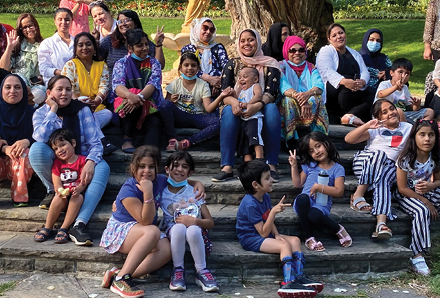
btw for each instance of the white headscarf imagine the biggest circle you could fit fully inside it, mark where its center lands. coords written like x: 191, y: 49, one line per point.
x: 194, y: 37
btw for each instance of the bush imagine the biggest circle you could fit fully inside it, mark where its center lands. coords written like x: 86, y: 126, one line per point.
x: 144, y: 8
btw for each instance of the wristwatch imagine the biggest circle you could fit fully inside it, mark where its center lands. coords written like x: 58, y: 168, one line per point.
x: 141, y: 96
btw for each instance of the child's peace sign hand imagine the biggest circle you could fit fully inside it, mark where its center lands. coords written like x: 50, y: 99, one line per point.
x: 280, y: 206
x: 374, y: 123
x: 292, y: 158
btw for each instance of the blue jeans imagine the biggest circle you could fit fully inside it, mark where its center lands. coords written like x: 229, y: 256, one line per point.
x: 271, y: 133
x: 42, y: 156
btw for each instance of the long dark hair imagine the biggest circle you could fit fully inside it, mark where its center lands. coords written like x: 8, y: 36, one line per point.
x: 95, y: 56
x: 118, y: 39
x: 304, y: 147
x: 409, y: 152
x: 19, y: 31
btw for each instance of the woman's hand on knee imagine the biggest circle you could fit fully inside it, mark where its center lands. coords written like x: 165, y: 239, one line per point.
x: 87, y: 172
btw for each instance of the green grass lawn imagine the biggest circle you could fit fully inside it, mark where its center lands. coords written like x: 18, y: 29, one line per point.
x: 403, y: 38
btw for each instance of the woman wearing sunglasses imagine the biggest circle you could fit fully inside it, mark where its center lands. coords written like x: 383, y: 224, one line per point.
x: 346, y: 77
x: 302, y: 108
x: 112, y: 48
x: 213, y: 56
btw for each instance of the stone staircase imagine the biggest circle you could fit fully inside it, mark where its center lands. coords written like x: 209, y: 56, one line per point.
x: 228, y: 260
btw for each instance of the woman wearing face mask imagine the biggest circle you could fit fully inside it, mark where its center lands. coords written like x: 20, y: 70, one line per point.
x: 213, y: 56
x: 137, y: 81
x: 378, y: 64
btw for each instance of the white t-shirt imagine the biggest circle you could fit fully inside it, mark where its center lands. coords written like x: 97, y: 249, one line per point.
x: 169, y: 199
x: 389, y: 141
x: 421, y: 171
x: 399, y: 98
x: 246, y: 96
x: 190, y: 101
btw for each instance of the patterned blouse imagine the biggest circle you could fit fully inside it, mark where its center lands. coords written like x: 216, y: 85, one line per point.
x: 374, y: 72
x: 233, y: 67
x: 69, y: 70
x: 26, y: 63
x: 219, y: 58
x: 431, y: 34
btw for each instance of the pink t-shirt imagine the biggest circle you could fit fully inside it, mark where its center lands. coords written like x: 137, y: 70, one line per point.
x: 81, y: 20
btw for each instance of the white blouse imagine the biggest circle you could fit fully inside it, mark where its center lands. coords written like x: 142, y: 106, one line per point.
x: 327, y: 63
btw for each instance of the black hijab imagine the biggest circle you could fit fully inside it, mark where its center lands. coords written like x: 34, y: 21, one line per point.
x: 375, y: 60
x: 16, y: 119
x: 273, y: 47
x: 71, y: 120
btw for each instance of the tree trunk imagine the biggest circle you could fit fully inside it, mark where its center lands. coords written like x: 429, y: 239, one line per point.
x: 307, y: 19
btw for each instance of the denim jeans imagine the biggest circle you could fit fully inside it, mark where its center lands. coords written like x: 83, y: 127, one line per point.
x: 271, y: 133
x: 42, y: 156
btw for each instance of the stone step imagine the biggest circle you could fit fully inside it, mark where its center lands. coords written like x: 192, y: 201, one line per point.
x: 228, y: 261
x: 337, y: 134
x: 208, y: 162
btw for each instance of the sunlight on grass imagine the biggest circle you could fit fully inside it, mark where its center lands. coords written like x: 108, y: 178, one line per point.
x: 402, y: 38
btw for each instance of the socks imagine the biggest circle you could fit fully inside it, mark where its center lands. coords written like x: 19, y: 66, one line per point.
x: 287, y: 263
x: 298, y: 263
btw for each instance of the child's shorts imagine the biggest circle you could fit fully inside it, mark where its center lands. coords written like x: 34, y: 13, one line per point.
x: 253, y: 243
x: 250, y: 136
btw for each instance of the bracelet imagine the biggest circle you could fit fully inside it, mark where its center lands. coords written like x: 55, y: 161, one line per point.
x: 149, y: 201
x: 264, y: 104
x: 100, y: 99
x: 158, y: 46
x: 323, y: 186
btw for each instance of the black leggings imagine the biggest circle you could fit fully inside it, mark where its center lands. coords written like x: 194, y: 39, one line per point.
x: 152, y: 126
x: 312, y: 217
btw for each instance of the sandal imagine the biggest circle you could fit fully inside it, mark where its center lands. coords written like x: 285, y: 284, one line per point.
x: 172, y: 145
x: 359, y: 205
x: 129, y: 150
x: 418, y: 265
x: 183, y: 145
x: 344, y: 239
x: 45, y: 234
x: 62, y: 235
x: 349, y: 119
x: 382, y: 231
x: 314, y: 245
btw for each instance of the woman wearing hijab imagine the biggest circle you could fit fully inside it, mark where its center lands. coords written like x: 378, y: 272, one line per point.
x: 273, y: 47
x: 250, y: 54
x: 213, y: 56
x: 15, y: 137
x: 378, y: 64
x: 60, y: 111
x: 302, y: 108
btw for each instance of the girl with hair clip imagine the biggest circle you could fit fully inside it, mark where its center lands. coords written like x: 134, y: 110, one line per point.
x: 317, y: 154
x: 374, y: 166
x: 189, y: 104
x: 418, y: 187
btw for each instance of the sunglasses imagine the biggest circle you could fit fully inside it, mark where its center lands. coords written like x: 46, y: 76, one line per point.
x: 124, y: 21
x: 300, y: 50
x: 93, y: 4
x: 206, y: 28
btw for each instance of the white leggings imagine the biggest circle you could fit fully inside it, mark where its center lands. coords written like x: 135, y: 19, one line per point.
x: 179, y: 235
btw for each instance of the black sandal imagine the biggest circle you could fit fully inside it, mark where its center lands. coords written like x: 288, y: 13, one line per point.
x: 63, y: 236
x: 45, y: 234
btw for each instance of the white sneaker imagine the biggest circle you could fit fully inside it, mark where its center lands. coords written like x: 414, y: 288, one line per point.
x: 418, y: 265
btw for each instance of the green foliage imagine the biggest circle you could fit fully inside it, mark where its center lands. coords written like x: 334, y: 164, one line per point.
x: 379, y: 9
x: 6, y: 286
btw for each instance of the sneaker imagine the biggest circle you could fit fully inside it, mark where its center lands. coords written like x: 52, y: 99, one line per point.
x: 296, y: 290
x: 108, y: 277
x: 418, y: 265
x: 177, y: 282
x: 222, y: 176
x: 275, y: 176
x: 109, y: 148
x: 125, y: 287
x: 205, y: 279
x: 79, y: 235
x: 172, y: 146
x: 45, y: 203
x: 307, y: 282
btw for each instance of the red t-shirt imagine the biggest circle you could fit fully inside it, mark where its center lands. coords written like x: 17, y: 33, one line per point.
x: 70, y: 174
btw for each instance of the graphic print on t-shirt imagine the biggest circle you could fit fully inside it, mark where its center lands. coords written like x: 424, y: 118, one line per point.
x: 69, y: 177
x: 266, y: 214
x: 395, y: 137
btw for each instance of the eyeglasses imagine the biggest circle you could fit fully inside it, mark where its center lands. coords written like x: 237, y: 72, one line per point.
x: 300, y: 50
x: 124, y: 21
x: 206, y: 28
x: 28, y: 27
